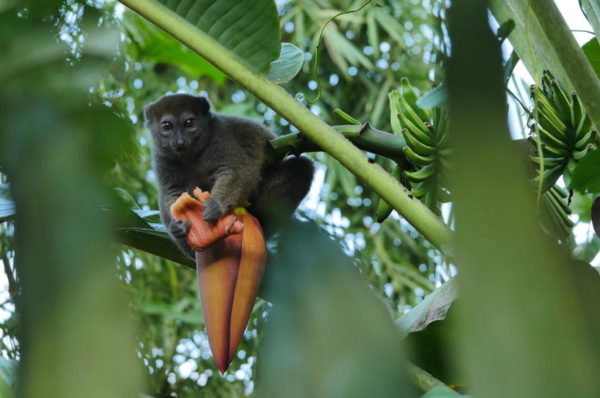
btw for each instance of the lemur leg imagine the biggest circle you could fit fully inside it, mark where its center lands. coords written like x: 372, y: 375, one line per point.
x: 283, y: 187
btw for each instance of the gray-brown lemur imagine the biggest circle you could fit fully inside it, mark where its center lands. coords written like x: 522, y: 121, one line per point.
x: 225, y: 155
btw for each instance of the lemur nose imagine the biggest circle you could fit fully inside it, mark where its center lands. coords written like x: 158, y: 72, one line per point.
x: 179, y: 144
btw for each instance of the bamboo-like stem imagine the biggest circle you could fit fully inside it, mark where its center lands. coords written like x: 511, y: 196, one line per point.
x: 421, y: 378
x: 363, y: 136
x: 505, y: 261
x: 576, y: 65
x: 314, y: 128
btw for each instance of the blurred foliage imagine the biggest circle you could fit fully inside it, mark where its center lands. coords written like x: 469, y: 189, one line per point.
x: 57, y: 143
x: 328, y: 335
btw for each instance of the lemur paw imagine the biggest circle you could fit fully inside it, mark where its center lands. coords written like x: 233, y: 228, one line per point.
x: 179, y: 228
x: 212, y: 210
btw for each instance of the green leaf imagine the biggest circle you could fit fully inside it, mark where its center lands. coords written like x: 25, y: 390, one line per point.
x: 151, y: 216
x: 433, y: 308
x: 341, y: 50
x: 250, y: 29
x: 391, y: 26
x: 435, y: 97
x: 289, y: 63
x: 591, y: 49
x: 172, y: 312
x: 590, y: 250
x: 591, y: 9
x: 157, y: 46
x: 140, y: 229
x: 585, y: 176
x: 153, y: 241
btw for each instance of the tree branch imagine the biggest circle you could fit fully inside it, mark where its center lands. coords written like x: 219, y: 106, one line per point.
x: 363, y: 136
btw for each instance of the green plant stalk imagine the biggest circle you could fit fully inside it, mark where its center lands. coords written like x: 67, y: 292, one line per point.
x: 363, y: 136
x: 421, y: 378
x: 318, y: 131
x: 576, y: 65
x: 511, y: 274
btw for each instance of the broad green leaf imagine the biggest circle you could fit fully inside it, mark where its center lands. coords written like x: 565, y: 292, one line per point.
x: 591, y: 49
x: 586, y: 177
x: 590, y: 249
x: 581, y: 204
x: 153, y: 241
x: 289, y: 63
x: 250, y: 29
x: 591, y: 9
x: 140, y: 229
x: 157, y: 46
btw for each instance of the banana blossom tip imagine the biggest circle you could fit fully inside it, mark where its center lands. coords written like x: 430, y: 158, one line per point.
x: 230, y: 260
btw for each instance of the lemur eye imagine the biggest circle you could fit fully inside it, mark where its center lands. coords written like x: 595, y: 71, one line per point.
x: 189, y: 123
x: 166, y: 126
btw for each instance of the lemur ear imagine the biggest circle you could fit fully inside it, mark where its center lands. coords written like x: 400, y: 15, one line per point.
x: 148, y: 112
x: 200, y: 105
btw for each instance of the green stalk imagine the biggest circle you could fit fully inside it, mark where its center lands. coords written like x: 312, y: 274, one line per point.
x: 314, y: 128
x: 576, y: 65
x: 363, y: 136
x: 520, y: 298
x: 422, y: 379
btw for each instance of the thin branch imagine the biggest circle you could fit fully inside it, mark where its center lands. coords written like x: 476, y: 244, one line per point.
x: 421, y: 378
x: 583, y: 31
x: 363, y: 136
